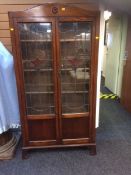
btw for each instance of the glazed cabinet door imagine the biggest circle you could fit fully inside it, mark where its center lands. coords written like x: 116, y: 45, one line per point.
x: 38, y: 75
x: 75, y: 79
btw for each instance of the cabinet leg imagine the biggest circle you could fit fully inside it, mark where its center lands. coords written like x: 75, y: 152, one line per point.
x: 24, y: 154
x: 92, y: 150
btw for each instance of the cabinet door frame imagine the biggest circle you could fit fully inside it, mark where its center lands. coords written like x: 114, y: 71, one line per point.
x: 93, y: 77
x: 20, y: 80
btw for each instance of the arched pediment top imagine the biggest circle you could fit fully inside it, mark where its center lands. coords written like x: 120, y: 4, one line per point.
x: 52, y: 9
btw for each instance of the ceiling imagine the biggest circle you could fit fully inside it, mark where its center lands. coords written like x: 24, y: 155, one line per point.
x: 123, y: 5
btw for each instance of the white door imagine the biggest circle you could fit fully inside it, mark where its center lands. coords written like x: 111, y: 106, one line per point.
x: 114, y: 35
x: 123, y: 55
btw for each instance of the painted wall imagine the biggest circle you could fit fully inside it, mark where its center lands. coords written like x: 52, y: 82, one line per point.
x: 104, y: 61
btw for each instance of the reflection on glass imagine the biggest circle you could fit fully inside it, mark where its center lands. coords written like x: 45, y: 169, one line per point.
x: 75, y: 41
x: 37, y: 59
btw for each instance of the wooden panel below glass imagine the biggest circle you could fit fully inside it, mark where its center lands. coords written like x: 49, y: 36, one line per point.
x: 42, y: 130
x: 75, y: 128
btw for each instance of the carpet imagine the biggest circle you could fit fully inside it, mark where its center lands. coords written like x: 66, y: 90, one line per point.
x: 113, y: 151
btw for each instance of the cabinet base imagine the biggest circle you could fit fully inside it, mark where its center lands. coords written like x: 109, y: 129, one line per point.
x: 91, y: 147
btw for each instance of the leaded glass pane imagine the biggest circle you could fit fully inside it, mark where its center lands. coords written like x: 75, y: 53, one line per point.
x: 75, y: 51
x: 36, y: 46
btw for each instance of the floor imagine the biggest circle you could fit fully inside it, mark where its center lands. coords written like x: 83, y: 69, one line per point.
x: 113, y: 151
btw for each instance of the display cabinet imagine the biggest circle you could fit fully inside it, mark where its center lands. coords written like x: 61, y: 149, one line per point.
x: 55, y: 50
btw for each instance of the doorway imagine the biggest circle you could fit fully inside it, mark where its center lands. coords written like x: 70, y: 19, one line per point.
x: 114, y: 53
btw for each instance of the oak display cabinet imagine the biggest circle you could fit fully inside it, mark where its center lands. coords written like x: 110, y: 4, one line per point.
x: 55, y: 50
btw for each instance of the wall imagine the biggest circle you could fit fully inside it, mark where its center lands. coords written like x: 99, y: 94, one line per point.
x: 104, y: 62
x: 126, y: 83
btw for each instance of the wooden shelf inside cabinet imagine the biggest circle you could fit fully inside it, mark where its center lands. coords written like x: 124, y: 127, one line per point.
x: 34, y: 41
x: 70, y: 69
x: 70, y: 83
x: 63, y: 92
x: 74, y: 40
x: 35, y: 92
x: 62, y: 40
x: 36, y: 70
x: 42, y: 70
x: 74, y: 92
x: 29, y: 60
x: 41, y: 84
